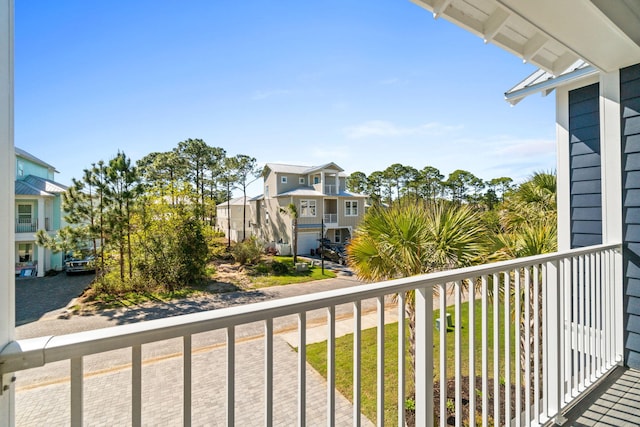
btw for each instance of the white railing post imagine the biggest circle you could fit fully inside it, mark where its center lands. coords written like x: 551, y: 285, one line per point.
x: 7, y: 207
x: 553, y: 333
x: 424, y: 357
x: 618, y: 311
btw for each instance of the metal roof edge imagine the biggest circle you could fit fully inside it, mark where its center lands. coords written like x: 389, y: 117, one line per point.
x: 515, y: 96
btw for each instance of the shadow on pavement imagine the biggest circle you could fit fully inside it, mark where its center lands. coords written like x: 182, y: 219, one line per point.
x: 159, y: 310
x: 37, y: 296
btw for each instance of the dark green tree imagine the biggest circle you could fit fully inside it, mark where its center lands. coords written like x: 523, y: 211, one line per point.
x: 122, y: 188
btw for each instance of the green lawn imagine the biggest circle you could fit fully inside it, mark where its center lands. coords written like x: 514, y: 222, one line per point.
x: 263, y: 275
x: 317, y: 357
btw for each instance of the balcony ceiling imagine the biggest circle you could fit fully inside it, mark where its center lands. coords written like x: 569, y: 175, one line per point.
x: 552, y: 34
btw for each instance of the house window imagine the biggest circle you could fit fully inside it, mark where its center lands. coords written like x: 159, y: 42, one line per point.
x: 307, y: 208
x: 20, y: 168
x: 24, y: 214
x: 351, y: 208
x: 316, y: 180
x: 283, y: 179
x: 301, y: 181
x: 266, y: 191
x: 337, y: 236
x: 25, y: 252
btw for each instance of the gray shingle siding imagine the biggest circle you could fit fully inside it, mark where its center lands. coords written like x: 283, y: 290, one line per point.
x: 584, y: 150
x: 630, y: 125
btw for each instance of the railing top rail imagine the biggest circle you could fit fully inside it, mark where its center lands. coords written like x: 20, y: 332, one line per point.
x: 29, y: 353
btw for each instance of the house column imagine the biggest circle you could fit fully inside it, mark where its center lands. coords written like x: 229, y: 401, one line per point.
x: 7, y: 209
x: 610, y: 147
x: 563, y: 176
x: 337, y: 182
x: 322, y: 182
x: 41, y: 249
x: 612, y: 216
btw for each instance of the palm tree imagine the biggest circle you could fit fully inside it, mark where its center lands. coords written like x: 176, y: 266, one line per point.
x: 410, y: 239
x: 529, y: 227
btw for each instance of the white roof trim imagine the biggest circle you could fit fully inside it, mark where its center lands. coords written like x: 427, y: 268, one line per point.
x: 542, y: 81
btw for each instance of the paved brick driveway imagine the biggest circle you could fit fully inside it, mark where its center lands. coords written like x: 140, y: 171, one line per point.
x: 37, y: 297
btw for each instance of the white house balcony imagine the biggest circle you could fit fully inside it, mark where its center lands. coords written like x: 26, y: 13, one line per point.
x: 330, y: 218
x: 330, y: 189
x: 541, y: 331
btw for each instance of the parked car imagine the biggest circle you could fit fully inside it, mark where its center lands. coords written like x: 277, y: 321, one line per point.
x: 80, y: 264
x: 334, y: 253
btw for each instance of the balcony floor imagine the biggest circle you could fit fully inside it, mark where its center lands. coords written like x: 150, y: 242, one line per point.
x: 614, y: 402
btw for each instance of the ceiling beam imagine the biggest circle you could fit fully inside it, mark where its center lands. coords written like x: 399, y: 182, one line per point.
x: 494, y: 24
x: 440, y: 8
x: 549, y: 36
x: 533, y: 46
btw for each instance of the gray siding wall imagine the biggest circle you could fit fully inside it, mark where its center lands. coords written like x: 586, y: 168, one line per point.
x: 586, y: 194
x: 630, y: 121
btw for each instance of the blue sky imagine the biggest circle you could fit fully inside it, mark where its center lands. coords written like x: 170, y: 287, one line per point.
x: 361, y: 83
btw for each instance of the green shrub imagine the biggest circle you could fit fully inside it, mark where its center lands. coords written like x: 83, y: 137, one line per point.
x: 247, y: 252
x: 279, y: 267
x: 262, y: 268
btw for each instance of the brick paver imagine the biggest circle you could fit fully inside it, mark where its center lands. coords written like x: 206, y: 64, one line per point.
x: 107, y: 399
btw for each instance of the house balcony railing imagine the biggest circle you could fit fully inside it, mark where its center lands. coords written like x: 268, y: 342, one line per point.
x: 330, y: 218
x: 330, y: 189
x: 541, y: 330
x: 31, y: 226
x: 26, y: 226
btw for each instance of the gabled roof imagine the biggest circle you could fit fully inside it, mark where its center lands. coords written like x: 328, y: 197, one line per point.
x: 45, y: 184
x: 330, y: 165
x: 310, y: 192
x: 23, y: 188
x: 36, y: 186
x: 28, y: 156
x: 300, y: 170
x: 236, y: 201
x: 552, y: 34
x: 304, y: 191
x: 545, y: 82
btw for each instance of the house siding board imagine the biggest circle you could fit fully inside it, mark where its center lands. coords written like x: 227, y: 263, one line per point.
x: 587, y: 214
x: 632, y: 216
x: 585, y: 161
x: 632, y: 180
x: 632, y: 108
x: 583, y: 240
x: 585, y: 174
x: 585, y: 147
x: 633, y: 305
x: 630, y: 126
x: 633, y: 144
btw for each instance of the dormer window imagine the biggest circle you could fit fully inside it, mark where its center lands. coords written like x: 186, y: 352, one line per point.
x: 20, y: 168
x: 283, y: 179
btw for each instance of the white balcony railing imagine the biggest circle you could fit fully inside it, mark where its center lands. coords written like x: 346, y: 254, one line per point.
x: 330, y: 218
x: 330, y: 189
x: 556, y: 332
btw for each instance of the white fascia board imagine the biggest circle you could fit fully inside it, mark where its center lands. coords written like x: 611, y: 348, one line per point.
x: 547, y: 86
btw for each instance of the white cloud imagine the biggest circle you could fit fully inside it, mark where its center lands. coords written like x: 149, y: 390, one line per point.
x: 264, y: 94
x: 527, y: 147
x: 391, y: 81
x: 381, y: 128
